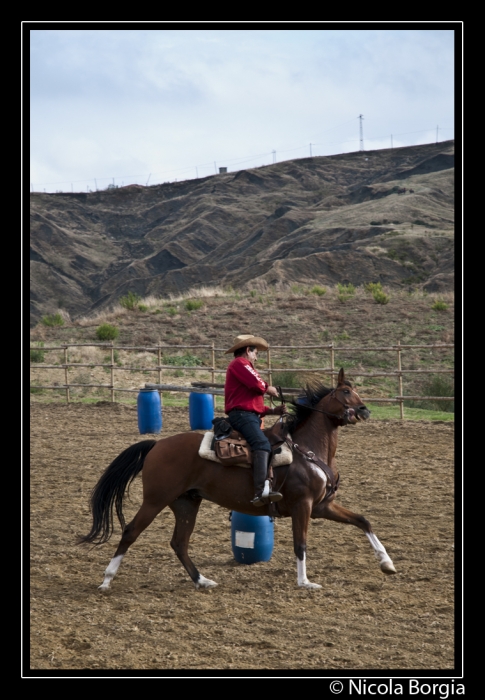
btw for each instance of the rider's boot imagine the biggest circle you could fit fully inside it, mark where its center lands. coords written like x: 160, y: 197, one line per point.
x: 263, y: 492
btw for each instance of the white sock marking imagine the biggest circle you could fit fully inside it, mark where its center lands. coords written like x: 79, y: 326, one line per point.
x: 205, y: 582
x: 303, y: 582
x: 383, y: 557
x: 110, y: 572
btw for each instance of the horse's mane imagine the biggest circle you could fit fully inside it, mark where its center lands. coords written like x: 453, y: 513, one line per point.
x: 301, y: 409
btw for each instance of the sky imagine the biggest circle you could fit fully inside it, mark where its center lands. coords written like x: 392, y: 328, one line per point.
x: 145, y: 104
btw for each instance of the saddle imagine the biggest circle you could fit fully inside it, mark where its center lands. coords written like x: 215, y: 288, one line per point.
x: 231, y: 447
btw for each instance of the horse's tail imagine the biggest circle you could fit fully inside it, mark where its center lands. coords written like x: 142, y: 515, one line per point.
x: 110, y: 489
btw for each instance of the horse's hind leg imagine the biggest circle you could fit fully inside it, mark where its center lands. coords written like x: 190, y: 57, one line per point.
x: 185, y: 509
x: 132, y: 531
x: 336, y: 512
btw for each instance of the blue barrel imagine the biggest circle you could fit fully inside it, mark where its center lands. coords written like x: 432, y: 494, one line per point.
x: 149, y: 411
x: 252, y: 537
x: 201, y: 411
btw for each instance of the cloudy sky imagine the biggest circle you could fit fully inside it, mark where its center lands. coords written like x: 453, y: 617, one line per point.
x: 153, y: 103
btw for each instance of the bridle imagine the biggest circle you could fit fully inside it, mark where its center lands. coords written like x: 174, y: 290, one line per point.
x: 332, y: 394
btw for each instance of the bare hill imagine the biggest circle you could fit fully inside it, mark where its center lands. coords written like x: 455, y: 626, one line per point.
x: 382, y: 216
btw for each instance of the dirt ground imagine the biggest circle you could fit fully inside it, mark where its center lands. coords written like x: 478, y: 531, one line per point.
x: 400, y: 475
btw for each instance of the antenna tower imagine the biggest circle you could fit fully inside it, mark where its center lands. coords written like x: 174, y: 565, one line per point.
x: 361, y: 116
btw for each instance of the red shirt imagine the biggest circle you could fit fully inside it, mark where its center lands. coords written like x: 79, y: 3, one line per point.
x: 244, y: 389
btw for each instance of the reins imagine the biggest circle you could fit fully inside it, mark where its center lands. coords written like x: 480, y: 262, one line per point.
x: 311, y: 408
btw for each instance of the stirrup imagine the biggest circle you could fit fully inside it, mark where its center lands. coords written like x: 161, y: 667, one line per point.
x: 263, y: 500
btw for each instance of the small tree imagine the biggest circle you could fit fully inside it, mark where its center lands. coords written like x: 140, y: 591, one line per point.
x: 380, y: 297
x: 107, y: 332
x: 130, y: 301
x: 53, y: 320
x: 37, y: 353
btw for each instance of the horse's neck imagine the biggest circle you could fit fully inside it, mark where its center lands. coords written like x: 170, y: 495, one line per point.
x: 322, y: 439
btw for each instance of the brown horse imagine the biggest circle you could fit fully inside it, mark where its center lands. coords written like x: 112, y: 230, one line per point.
x: 174, y: 475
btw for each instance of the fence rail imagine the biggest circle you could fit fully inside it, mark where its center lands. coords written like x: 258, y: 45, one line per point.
x: 217, y: 390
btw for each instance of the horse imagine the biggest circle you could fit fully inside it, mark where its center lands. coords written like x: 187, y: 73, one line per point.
x: 174, y: 475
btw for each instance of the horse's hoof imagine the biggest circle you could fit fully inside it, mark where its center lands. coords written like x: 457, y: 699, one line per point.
x: 104, y: 588
x: 309, y: 586
x: 388, y: 567
x: 205, y: 583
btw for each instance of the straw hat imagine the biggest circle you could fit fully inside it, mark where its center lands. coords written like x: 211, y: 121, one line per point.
x: 243, y: 341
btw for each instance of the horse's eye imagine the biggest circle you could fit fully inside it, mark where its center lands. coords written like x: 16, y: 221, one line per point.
x: 346, y: 391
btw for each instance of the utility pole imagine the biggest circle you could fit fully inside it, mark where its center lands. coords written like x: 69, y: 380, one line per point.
x: 436, y: 134
x: 196, y: 172
x: 361, y: 116
x: 310, y: 150
x: 274, y: 156
x: 96, y: 184
x: 148, y: 179
x: 391, y: 142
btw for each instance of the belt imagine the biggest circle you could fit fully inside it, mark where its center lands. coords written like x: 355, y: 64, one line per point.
x: 243, y: 410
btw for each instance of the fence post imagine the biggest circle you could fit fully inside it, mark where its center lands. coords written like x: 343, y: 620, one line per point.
x: 159, y: 354
x: 213, y: 365
x: 112, y: 373
x: 66, y: 375
x: 401, y: 402
x: 270, y: 375
x: 332, y: 364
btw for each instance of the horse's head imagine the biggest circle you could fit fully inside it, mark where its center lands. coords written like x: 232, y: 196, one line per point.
x: 344, y: 402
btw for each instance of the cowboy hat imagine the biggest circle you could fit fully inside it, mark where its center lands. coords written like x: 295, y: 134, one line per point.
x: 243, y: 341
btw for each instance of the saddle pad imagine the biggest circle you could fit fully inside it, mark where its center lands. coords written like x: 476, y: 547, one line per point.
x: 279, y: 460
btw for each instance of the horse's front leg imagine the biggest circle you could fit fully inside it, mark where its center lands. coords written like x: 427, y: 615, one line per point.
x: 333, y: 511
x: 300, y: 517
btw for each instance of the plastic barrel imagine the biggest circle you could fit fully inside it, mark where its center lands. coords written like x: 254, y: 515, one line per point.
x: 201, y: 411
x: 149, y: 411
x: 252, y: 537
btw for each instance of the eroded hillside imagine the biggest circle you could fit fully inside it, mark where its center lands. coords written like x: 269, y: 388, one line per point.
x: 384, y: 216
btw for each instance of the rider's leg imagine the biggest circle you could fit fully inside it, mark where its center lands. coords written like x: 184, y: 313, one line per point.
x: 249, y: 425
x: 263, y: 493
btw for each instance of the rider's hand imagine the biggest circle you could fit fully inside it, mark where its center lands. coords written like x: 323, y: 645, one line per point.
x: 272, y: 391
x: 279, y: 410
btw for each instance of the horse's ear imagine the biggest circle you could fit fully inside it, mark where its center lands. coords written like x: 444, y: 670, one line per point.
x: 341, y: 376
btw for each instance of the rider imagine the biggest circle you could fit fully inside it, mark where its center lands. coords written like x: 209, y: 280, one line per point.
x: 244, y: 404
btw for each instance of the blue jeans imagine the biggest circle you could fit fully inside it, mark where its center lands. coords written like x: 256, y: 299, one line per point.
x: 249, y: 424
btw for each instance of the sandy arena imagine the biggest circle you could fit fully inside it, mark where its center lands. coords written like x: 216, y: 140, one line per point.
x: 400, y: 475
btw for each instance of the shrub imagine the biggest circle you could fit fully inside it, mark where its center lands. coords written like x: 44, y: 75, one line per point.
x: 130, y: 301
x: 116, y: 360
x: 440, y: 305
x: 371, y: 287
x: 37, y: 353
x: 345, y: 291
x: 193, y: 304
x: 107, y: 332
x: 171, y: 311
x: 320, y: 291
x: 53, y: 320
x: 186, y: 360
x: 380, y: 297
x: 436, y: 385
x: 287, y: 380
x: 142, y: 307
